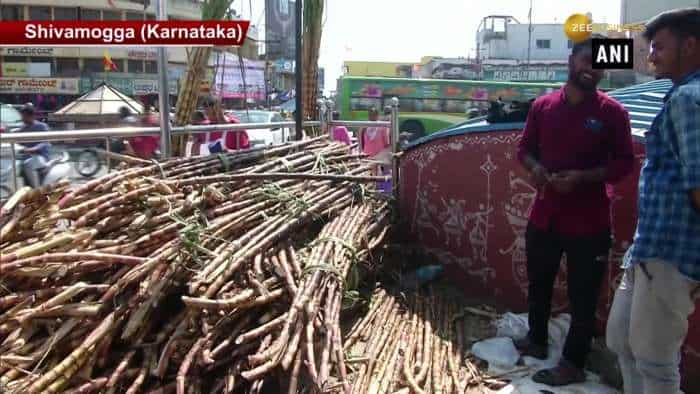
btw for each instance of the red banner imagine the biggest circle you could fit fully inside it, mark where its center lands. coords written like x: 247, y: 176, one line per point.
x: 130, y: 33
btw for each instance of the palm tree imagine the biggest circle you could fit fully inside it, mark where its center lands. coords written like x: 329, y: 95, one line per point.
x: 196, y: 66
x: 313, y: 26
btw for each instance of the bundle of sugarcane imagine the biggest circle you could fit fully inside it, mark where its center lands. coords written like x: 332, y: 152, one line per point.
x: 167, y: 277
x: 414, y: 345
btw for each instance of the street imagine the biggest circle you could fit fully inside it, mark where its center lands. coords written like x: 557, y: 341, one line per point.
x: 68, y: 169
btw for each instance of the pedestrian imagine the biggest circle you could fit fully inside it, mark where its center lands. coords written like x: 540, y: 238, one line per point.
x: 145, y: 146
x: 339, y: 132
x: 375, y: 142
x: 38, y: 152
x: 219, y: 141
x: 199, y: 145
x: 576, y: 140
x: 648, y: 320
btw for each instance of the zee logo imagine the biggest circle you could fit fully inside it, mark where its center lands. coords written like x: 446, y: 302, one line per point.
x: 615, y: 53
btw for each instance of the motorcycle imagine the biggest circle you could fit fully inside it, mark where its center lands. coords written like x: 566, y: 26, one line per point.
x: 88, y: 162
x: 57, y: 167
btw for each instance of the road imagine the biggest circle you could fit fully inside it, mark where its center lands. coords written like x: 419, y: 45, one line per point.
x: 69, y: 168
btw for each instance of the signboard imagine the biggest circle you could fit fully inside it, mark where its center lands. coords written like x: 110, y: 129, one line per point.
x: 228, y: 80
x: 144, y: 87
x: 524, y: 73
x: 285, y: 66
x: 25, y: 69
x: 127, y: 84
x: 448, y: 68
x: 280, y: 29
x: 43, y: 51
x: 124, y: 85
x: 26, y: 51
x: 10, y: 85
x: 141, y: 54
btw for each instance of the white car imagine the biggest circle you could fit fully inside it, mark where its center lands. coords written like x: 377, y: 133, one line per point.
x: 266, y: 136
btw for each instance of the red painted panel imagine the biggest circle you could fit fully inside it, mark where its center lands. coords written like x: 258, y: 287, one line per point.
x: 466, y: 200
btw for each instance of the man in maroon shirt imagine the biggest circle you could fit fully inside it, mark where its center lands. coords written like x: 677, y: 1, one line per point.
x: 575, y: 141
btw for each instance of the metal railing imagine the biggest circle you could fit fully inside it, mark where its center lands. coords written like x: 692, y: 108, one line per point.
x: 326, y: 111
x: 125, y: 132
x: 325, y: 123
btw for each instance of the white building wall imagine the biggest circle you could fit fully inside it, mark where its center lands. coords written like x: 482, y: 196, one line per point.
x: 641, y: 10
x: 516, y: 44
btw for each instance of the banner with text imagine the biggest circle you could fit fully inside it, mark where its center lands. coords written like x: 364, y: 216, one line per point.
x: 228, y: 79
x: 127, y: 83
x: 25, y: 69
x: 130, y: 33
x: 39, y: 85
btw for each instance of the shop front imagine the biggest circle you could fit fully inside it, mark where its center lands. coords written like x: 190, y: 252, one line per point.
x: 47, y: 94
x: 143, y: 87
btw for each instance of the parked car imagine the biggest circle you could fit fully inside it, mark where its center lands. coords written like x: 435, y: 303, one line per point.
x: 267, y: 136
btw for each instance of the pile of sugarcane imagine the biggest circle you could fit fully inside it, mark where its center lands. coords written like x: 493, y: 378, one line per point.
x: 417, y: 344
x: 211, y: 274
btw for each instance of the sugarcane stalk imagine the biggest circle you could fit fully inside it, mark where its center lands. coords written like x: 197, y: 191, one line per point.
x: 186, y: 363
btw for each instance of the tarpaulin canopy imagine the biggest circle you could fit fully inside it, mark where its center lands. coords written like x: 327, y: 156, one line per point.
x: 101, y: 104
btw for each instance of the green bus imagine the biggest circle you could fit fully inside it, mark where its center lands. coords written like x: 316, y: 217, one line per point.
x: 428, y: 105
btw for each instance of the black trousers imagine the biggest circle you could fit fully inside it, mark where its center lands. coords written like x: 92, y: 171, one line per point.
x: 587, y: 259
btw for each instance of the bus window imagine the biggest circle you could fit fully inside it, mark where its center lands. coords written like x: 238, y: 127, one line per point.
x: 364, y: 103
x: 407, y: 104
x: 433, y: 105
x: 456, y: 106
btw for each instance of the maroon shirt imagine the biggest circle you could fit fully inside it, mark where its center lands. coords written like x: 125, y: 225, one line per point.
x: 596, y: 133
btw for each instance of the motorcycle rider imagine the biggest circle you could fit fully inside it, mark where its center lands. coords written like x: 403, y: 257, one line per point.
x: 38, y: 151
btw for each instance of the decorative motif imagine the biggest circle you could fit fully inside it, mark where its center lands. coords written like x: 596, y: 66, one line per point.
x: 453, y: 220
x: 457, y: 212
x: 478, y: 236
x: 517, y: 212
x: 423, y: 155
x: 423, y: 214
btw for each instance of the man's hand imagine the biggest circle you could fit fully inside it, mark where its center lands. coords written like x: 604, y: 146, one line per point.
x: 29, y: 151
x: 564, y: 182
x: 539, y: 175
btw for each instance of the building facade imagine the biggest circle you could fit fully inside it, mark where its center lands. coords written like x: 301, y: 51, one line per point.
x: 53, y: 76
x: 502, y: 37
x: 509, y: 51
x: 634, y: 11
x: 378, y: 69
x: 639, y: 11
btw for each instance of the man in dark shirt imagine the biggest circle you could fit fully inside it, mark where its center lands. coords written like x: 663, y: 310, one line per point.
x: 575, y: 140
x: 38, y: 151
